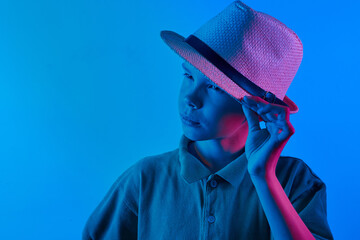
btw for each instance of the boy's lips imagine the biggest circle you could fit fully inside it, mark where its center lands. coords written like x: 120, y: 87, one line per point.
x: 189, y: 119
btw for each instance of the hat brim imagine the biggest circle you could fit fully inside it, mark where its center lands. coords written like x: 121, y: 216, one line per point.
x: 176, y: 43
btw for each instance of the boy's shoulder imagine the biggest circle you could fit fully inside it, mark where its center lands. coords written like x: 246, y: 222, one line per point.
x: 296, y: 176
x: 156, y: 161
x: 145, y: 171
x: 293, y: 165
x: 152, y: 165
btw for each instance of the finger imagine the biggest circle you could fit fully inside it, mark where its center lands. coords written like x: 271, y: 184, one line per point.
x: 268, y: 111
x: 255, y: 100
x: 284, y: 115
x: 254, y: 108
x: 265, y: 117
x: 263, y: 109
x: 272, y: 128
x: 271, y: 116
x: 276, y: 111
x: 265, y: 112
x: 287, y: 131
x: 252, y: 118
x: 250, y: 101
x: 280, y: 129
x: 271, y: 107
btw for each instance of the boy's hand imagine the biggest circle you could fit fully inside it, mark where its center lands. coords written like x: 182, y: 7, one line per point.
x: 263, y: 146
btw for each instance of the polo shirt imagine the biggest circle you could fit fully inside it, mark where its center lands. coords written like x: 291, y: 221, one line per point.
x: 173, y: 195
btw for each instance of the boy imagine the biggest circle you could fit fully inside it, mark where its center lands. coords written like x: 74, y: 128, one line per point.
x: 227, y: 179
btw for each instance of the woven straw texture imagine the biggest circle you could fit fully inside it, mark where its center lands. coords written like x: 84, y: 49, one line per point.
x: 256, y: 44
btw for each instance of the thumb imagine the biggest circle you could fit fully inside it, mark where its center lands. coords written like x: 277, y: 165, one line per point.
x: 252, y: 118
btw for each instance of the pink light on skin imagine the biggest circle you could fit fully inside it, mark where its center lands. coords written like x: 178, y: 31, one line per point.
x: 227, y: 124
x: 284, y: 221
x: 234, y: 127
x: 295, y: 224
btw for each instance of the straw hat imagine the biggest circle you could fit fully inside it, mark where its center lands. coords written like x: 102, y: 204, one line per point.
x: 244, y: 52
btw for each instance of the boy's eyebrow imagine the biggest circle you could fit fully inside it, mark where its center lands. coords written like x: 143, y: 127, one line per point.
x: 183, y: 65
x: 206, y: 78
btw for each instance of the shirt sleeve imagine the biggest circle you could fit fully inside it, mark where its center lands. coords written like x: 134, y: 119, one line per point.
x: 308, y: 196
x: 116, y: 215
x: 311, y: 206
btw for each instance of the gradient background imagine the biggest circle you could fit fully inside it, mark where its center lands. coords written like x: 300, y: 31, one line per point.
x: 87, y: 88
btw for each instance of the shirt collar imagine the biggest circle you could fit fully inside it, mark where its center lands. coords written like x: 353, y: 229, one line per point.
x: 192, y: 169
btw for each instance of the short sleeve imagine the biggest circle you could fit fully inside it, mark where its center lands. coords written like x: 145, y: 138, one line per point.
x: 307, y: 193
x: 311, y: 207
x: 116, y: 215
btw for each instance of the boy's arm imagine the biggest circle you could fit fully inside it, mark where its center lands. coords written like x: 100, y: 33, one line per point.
x: 116, y: 217
x: 284, y: 221
x: 308, y: 194
x: 263, y: 148
x: 111, y: 221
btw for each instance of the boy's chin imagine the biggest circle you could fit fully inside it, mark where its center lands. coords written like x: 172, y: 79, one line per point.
x: 197, y: 136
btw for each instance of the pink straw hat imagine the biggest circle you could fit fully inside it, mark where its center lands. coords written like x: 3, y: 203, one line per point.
x: 244, y: 52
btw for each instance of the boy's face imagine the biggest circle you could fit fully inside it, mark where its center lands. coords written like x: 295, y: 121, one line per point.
x: 217, y: 114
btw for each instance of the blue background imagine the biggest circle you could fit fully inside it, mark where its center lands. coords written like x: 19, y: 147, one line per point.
x: 87, y: 88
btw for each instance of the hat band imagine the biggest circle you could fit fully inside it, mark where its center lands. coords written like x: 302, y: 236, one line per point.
x: 231, y: 72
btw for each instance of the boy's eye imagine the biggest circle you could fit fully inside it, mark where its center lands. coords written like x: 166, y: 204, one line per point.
x: 209, y: 85
x: 188, y: 76
x: 216, y: 88
x: 213, y: 86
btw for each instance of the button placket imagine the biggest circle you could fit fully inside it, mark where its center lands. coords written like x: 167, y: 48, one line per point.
x: 212, y: 183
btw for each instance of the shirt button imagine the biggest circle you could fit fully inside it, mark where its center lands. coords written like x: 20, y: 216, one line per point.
x: 211, y: 219
x: 213, y: 183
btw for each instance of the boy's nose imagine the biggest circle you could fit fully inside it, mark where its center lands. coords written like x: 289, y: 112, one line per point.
x: 193, y: 100
x: 192, y: 105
